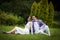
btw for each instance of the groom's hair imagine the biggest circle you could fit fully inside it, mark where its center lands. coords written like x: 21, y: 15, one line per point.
x: 35, y: 16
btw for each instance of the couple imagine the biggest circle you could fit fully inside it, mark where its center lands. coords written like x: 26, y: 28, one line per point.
x: 35, y: 27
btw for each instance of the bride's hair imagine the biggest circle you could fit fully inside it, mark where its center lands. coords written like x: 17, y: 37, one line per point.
x: 27, y: 18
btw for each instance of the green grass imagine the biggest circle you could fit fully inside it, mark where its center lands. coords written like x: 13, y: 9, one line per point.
x: 55, y: 35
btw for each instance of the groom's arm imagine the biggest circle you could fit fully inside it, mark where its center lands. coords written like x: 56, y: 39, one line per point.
x: 31, y: 29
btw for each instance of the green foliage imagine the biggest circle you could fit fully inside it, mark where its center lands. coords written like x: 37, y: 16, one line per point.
x: 10, y: 19
x: 33, y: 9
x: 18, y: 7
x: 57, y: 15
x: 44, y: 11
x: 21, y: 20
x: 51, y: 14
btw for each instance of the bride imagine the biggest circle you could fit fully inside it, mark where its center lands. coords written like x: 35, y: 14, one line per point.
x: 18, y: 30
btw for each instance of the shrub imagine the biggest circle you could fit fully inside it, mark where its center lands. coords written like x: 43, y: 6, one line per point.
x: 21, y: 20
x: 10, y: 19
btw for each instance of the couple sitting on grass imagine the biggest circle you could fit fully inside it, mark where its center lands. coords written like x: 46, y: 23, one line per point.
x: 35, y: 27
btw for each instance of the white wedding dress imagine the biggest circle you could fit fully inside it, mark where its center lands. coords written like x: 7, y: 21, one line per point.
x: 23, y: 31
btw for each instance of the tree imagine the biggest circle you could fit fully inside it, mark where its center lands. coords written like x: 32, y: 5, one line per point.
x: 51, y: 14
x: 44, y: 11
x: 33, y: 9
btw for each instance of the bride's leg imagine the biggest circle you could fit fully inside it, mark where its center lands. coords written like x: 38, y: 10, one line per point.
x: 12, y: 31
x: 17, y: 29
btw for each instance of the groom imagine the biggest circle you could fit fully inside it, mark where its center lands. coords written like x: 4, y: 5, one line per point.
x: 39, y: 27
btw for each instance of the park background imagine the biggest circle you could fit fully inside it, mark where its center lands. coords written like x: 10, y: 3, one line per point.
x: 14, y: 12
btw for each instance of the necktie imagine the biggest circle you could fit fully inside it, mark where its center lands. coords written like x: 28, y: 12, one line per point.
x: 33, y: 27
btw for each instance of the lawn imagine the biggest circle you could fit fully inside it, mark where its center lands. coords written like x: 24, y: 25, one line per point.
x: 55, y: 35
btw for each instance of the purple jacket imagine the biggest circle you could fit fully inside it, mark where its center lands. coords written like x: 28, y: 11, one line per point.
x: 40, y: 22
